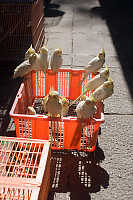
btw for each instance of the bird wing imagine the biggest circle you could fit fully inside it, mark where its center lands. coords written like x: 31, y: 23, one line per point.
x: 22, y: 69
x: 93, y: 61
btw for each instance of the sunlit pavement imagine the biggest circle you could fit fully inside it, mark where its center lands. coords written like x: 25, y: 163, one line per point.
x: 81, y: 28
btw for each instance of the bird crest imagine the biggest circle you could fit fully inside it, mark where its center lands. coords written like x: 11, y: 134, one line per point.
x: 102, y: 54
x: 52, y: 92
x: 92, y: 98
x: 43, y: 49
x: 31, y: 50
x: 109, y: 83
x: 105, y: 72
x: 107, y: 68
x: 58, y: 51
x: 64, y: 101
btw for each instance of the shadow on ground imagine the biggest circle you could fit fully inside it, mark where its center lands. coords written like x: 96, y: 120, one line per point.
x: 8, y: 89
x: 52, y: 14
x: 77, y: 173
x: 119, y: 18
x: 52, y: 9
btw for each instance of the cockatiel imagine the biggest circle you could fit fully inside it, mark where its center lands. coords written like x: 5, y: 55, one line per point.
x: 104, y: 91
x: 44, y: 62
x: 94, y: 65
x: 56, y: 60
x: 44, y: 101
x: 85, y: 109
x: 52, y: 103
x: 95, y: 82
x: 41, y: 60
x: 65, y: 106
x: 98, y: 80
x: 31, y: 111
x: 24, y: 68
x: 104, y: 73
x: 83, y: 97
x: 34, y: 62
x: 29, y: 52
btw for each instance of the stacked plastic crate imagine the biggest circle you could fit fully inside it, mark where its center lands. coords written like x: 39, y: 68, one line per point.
x: 24, y: 169
x: 22, y: 23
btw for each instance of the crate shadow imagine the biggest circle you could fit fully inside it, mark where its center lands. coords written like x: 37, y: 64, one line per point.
x: 75, y: 173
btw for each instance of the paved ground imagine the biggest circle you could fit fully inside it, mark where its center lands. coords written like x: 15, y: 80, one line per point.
x: 81, y: 28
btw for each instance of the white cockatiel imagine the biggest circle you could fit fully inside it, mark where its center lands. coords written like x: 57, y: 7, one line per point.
x: 52, y: 103
x: 44, y: 62
x: 86, y: 109
x: 98, y: 80
x: 34, y: 62
x: 94, y: 65
x: 24, y: 68
x: 104, y: 73
x: 56, y: 60
x: 104, y: 91
x: 29, y: 52
x: 65, y: 106
x: 41, y: 60
x: 95, y: 82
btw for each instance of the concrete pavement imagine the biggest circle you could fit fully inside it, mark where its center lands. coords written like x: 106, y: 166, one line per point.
x: 81, y: 29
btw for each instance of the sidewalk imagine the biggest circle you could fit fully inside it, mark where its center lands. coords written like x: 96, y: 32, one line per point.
x: 81, y: 29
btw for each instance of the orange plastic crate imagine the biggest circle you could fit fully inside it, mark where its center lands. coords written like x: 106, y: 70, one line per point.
x: 63, y: 133
x: 24, y: 168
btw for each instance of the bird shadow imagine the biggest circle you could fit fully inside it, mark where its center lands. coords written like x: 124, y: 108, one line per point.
x: 76, y: 173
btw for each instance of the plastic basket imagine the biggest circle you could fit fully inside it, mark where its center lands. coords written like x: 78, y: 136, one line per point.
x: 63, y: 133
x: 24, y: 168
